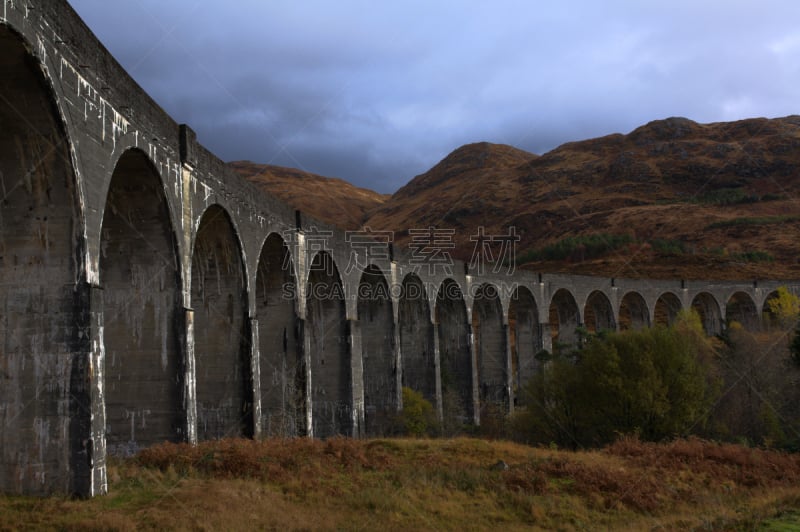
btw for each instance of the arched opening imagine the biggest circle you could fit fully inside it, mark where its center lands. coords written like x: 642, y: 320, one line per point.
x: 140, y: 280
x: 769, y: 317
x: 221, y: 341
x: 416, y: 339
x: 525, y: 340
x: 282, y: 375
x: 43, y: 396
x: 376, y: 322
x: 455, y: 355
x: 329, y: 350
x: 710, y: 315
x: 633, y: 313
x: 489, y: 336
x: 667, y: 308
x: 564, y: 319
x: 598, y: 314
x: 742, y: 309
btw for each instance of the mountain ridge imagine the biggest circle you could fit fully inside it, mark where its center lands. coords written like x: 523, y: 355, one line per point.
x: 673, y: 198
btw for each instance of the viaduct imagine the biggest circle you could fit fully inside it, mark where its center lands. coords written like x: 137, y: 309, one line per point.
x: 148, y: 294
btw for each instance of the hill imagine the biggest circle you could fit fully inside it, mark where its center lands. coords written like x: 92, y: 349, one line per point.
x: 671, y: 199
x: 331, y: 200
x: 447, y: 484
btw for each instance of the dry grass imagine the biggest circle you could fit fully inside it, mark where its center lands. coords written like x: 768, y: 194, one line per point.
x: 427, y: 484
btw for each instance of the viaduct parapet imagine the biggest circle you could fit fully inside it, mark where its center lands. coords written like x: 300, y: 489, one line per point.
x: 149, y: 295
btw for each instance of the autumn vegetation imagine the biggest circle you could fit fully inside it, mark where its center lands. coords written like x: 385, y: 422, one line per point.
x: 441, y: 484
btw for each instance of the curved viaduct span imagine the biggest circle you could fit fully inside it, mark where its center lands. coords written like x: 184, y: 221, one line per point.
x: 148, y: 294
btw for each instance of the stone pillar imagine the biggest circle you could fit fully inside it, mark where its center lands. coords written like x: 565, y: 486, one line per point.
x: 509, y: 368
x: 545, y: 338
x: 87, y: 453
x: 304, y: 343
x: 398, y: 366
x: 476, y: 397
x: 255, y: 377
x: 356, y: 377
x: 189, y: 372
x: 96, y: 448
x: 437, y: 361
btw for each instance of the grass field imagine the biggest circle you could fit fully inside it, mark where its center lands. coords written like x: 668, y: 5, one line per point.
x: 459, y: 484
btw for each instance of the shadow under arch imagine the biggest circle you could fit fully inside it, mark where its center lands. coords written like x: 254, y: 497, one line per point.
x: 458, y: 407
x: 666, y: 310
x: 328, y: 335
x: 710, y: 315
x: 525, y: 339
x: 742, y: 309
x: 281, y: 369
x: 489, y: 337
x: 140, y: 277
x: 633, y: 312
x: 598, y: 314
x: 564, y: 317
x: 418, y: 356
x: 46, y: 413
x: 221, y: 335
x: 376, y: 323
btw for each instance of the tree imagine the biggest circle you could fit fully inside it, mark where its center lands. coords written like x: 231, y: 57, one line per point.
x: 417, y: 418
x: 656, y: 382
x: 785, y: 307
x: 761, y: 390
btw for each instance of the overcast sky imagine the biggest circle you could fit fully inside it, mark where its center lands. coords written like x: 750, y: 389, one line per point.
x: 376, y: 92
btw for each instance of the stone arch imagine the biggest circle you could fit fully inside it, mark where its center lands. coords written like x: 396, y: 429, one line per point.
x: 376, y: 322
x: 418, y: 357
x: 455, y: 354
x: 328, y: 336
x: 598, y: 314
x: 139, y: 274
x: 283, y: 381
x: 666, y: 310
x: 221, y: 338
x: 564, y: 318
x: 45, y: 391
x: 742, y: 309
x: 633, y: 312
x: 525, y: 339
x: 489, y: 337
x: 710, y: 315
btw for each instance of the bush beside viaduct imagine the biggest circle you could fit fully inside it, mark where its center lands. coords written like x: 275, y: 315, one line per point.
x: 149, y: 294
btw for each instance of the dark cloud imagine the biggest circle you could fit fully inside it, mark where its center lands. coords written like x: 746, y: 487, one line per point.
x: 377, y: 92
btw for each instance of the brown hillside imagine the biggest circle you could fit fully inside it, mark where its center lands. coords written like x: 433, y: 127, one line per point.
x: 673, y: 198
x: 330, y: 200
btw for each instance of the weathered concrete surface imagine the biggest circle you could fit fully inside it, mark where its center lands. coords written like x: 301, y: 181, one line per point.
x: 282, y: 382
x: 417, y: 346
x: 141, y: 300
x: 148, y: 294
x: 376, y: 321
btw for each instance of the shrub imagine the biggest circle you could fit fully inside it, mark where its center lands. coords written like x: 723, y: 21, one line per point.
x: 653, y: 382
x: 667, y: 246
x: 418, y: 417
x: 579, y: 248
x: 754, y: 256
x: 753, y: 221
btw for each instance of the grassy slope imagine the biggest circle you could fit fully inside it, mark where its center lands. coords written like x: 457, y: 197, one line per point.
x: 429, y: 484
x: 331, y: 200
x: 671, y: 180
x: 663, y: 180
